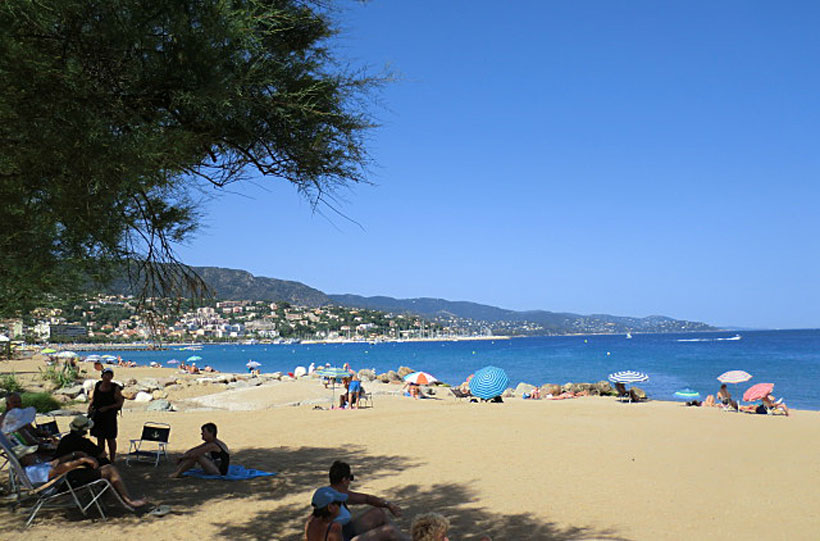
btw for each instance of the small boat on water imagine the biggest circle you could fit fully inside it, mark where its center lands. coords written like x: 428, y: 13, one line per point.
x: 628, y: 335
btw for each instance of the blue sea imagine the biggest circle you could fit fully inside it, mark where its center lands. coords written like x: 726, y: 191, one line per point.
x: 789, y: 359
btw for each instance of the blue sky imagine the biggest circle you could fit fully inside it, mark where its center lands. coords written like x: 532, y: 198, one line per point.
x: 631, y: 158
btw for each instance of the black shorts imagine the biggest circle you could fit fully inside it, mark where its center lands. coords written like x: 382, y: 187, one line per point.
x: 83, y: 476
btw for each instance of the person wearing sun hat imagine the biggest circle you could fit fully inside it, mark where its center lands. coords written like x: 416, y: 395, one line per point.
x: 76, y: 441
x: 321, y: 525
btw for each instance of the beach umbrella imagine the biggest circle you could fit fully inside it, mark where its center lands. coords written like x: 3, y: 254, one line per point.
x: 108, y: 358
x: 687, y: 394
x: 253, y: 364
x: 758, y: 391
x: 193, y: 358
x: 420, y: 378
x: 333, y: 373
x: 628, y: 376
x: 734, y: 376
x: 48, y: 351
x: 66, y: 355
x: 172, y: 361
x: 489, y: 382
x: 92, y: 358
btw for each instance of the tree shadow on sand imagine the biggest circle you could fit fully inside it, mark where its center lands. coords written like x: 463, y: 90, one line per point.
x: 302, y: 470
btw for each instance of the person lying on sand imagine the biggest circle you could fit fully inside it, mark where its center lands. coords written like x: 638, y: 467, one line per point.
x: 212, y: 456
x: 375, y: 523
x: 432, y: 527
x: 771, y: 404
x: 82, y: 469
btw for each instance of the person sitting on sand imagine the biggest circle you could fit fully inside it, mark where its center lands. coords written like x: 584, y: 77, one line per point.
x: 725, y: 397
x: 375, y: 523
x: 212, y: 456
x: 76, y: 441
x: 412, y: 390
x: 432, y: 527
x: 322, y: 526
x: 772, y: 405
x: 82, y: 469
x: 192, y: 368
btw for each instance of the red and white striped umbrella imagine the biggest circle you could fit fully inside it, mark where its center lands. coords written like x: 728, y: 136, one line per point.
x: 734, y: 376
x: 420, y: 378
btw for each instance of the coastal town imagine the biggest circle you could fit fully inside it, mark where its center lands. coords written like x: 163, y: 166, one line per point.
x: 119, y: 319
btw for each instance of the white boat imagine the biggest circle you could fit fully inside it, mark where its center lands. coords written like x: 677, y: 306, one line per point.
x: 628, y: 335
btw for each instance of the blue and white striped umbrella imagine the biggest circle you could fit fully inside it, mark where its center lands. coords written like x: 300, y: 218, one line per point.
x: 489, y: 382
x: 628, y: 376
x: 193, y: 359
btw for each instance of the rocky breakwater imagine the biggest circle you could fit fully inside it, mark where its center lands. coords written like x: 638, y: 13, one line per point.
x: 601, y: 388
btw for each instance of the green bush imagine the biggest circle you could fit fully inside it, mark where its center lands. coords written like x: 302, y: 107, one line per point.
x: 9, y: 383
x: 42, y: 402
x: 61, y: 376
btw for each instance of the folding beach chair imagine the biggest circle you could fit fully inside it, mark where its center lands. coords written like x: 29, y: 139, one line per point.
x: 49, y: 427
x: 458, y: 393
x: 152, y: 445
x: 365, y: 398
x: 46, y: 494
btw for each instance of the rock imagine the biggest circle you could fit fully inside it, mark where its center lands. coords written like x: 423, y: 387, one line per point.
x: 149, y: 385
x: 88, y: 385
x: 566, y: 387
x: 72, y: 391
x: 403, y: 371
x: 64, y: 413
x: 638, y: 393
x: 604, y: 388
x: 62, y: 399
x: 276, y: 375
x: 285, y: 378
x: 166, y: 382
x: 522, y: 388
x: 130, y: 393
x: 82, y: 398
x: 365, y: 374
x: 580, y: 387
x: 551, y: 389
x: 143, y: 397
x: 160, y: 405
x: 393, y: 376
x: 205, y: 381
x: 299, y: 372
x: 130, y: 383
x: 159, y: 393
x: 509, y: 392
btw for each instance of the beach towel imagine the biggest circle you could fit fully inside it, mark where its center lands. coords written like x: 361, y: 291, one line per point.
x: 235, y: 473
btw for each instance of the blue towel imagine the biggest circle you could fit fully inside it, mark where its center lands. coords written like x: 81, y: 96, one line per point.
x: 235, y: 473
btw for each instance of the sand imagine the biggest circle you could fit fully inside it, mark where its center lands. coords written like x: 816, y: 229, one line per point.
x: 587, y: 468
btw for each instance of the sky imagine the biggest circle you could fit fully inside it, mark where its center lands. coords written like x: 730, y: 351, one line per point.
x: 629, y: 158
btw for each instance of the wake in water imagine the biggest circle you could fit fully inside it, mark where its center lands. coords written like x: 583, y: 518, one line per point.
x: 729, y: 339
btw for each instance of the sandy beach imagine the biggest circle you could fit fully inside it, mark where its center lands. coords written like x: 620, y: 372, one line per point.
x: 586, y: 468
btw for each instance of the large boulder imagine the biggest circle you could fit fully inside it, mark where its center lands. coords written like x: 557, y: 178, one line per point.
x: 160, y: 405
x: 523, y: 388
x: 130, y: 393
x: 509, y: 392
x: 71, y: 392
x: 366, y: 374
x: 299, y: 371
x: 604, y: 387
x: 638, y: 393
x: 82, y: 398
x: 390, y: 377
x: 159, y: 394
x: 143, y: 397
x: 550, y: 389
x: 566, y: 387
x: 275, y: 375
x: 403, y: 371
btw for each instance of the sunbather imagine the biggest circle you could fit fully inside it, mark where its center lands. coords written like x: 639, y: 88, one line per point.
x: 374, y: 522
x: 212, y: 456
x: 623, y: 392
x: 82, y: 469
x: 725, y: 397
x: 771, y: 404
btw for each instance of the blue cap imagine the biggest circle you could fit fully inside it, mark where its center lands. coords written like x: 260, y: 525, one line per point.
x: 326, y: 496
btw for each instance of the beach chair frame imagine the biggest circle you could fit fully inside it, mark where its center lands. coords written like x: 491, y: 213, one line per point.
x: 153, y: 434
x: 46, y: 494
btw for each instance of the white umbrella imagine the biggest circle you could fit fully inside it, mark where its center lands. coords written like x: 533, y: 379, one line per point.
x: 253, y: 364
x: 734, y: 376
x: 628, y: 376
x: 66, y: 355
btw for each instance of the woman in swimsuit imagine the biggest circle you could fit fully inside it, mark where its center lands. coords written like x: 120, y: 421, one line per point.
x: 725, y: 397
x: 212, y: 456
x: 321, y: 526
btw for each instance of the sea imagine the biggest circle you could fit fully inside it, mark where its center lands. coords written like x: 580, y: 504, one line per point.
x: 790, y: 359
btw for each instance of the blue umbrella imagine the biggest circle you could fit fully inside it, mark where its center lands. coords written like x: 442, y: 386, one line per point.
x: 628, y: 376
x: 489, y: 382
x: 193, y: 358
x: 687, y: 394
